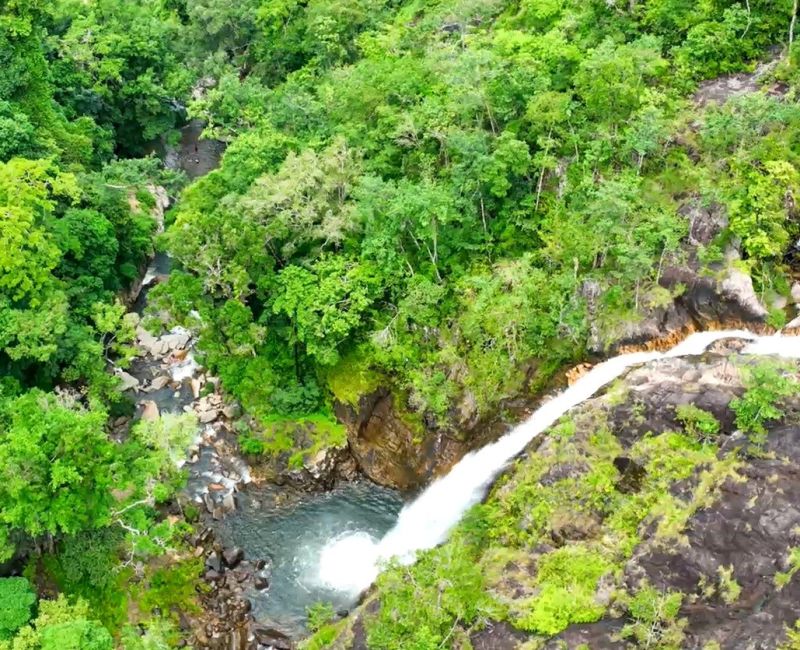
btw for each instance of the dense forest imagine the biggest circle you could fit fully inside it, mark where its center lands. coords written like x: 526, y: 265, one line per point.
x: 449, y: 200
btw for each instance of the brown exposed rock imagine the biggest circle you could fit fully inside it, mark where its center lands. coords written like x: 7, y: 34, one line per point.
x: 388, y: 450
x: 150, y: 410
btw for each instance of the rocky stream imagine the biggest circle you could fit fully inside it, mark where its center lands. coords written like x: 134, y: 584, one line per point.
x: 260, y: 541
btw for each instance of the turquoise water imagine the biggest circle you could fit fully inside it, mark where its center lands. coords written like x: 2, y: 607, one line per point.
x: 292, y: 539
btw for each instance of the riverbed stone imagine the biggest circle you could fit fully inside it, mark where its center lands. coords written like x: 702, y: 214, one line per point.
x: 152, y: 345
x: 177, y: 341
x: 233, y: 556
x: 159, y: 382
x: 128, y: 381
x: 232, y: 410
x: 228, y: 502
x: 206, y: 411
x: 214, y: 562
x: 150, y: 410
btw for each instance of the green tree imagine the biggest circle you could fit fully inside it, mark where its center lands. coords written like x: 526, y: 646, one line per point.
x: 17, y: 599
x: 759, y: 214
x: 28, y: 257
x: 121, y: 57
x: 63, y: 624
x: 326, y: 304
x: 55, y: 466
x: 613, y: 78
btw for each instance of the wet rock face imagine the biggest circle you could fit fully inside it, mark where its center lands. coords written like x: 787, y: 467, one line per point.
x: 387, y: 449
x: 272, y: 638
x: 656, y: 391
x: 497, y: 636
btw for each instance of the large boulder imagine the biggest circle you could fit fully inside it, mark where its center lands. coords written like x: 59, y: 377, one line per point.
x: 127, y: 381
x: 150, y: 410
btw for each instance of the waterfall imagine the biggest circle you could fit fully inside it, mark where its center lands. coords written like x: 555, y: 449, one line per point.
x: 351, y: 562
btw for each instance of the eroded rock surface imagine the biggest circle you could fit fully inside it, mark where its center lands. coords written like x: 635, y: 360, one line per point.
x: 392, y: 451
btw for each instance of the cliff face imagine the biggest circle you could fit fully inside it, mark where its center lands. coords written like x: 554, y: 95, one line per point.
x: 662, y: 513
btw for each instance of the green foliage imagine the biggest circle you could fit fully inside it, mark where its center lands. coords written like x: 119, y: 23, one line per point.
x: 448, y: 200
x: 419, y: 603
x: 55, y: 466
x: 792, y: 638
x: 759, y: 215
x: 16, y: 132
x: 655, y: 622
x: 782, y: 578
x: 158, y: 634
x: 63, y: 624
x: 352, y: 378
x: 295, y: 439
x: 766, y: 387
x: 87, y: 565
x: 698, y: 423
x: 568, y: 579
x: 28, y: 288
x: 468, y: 171
x: 729, y: 589
x: 319, y: 615
x: 76, y: 635
x: 613, y: 78
x: 117, y: 63
x: 17, y: 599
x: 174, y: 588
x: 432, y: 177
x: 324, y: 305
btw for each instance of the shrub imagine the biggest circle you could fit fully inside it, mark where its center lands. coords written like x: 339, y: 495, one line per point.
x: 729, y: 589
x: 568, y: 580
x: 767, y: 386
x: 655, y: 619
x: 76, y: 635
x: 698, y: 423
x: 319, y: 615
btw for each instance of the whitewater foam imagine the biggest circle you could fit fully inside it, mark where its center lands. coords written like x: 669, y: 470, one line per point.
x: 351, y: 562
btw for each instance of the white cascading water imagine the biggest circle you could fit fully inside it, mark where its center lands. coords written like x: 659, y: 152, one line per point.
x: 351, y: 562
